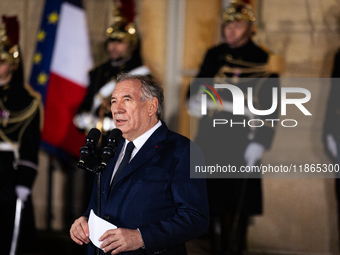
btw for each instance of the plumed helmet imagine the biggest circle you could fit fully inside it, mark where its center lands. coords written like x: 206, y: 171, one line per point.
x: 123, y: 27
x: 9, y: 39
x: 237, y: 11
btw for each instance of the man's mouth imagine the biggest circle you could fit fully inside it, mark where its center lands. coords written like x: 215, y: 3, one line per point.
x: 120, y: 121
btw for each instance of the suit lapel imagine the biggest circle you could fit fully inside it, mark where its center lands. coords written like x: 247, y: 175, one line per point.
x: 151, y: 147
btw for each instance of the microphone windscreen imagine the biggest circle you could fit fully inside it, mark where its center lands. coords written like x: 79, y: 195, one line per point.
x: 115, y: 136
x: 94, y: 134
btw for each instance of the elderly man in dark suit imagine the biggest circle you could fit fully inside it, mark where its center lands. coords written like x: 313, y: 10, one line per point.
x: 153, y: 201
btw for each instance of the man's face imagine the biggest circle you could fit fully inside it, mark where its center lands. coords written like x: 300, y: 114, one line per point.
x: 118, y: 49
x: 130, y: 114
x: 5, y: 69
x: 237, y: 33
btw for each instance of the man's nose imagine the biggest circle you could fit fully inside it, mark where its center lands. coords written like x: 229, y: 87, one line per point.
x: 231, y: 32
x: 118, y: 107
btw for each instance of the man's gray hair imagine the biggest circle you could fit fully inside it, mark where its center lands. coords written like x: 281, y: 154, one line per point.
x: 150, y: 89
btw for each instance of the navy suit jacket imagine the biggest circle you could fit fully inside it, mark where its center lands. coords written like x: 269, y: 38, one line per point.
x: 155, y: 194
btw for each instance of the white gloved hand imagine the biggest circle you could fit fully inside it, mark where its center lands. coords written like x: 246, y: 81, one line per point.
x: 194, y: 105
x: 331, y: 145
x: 253, y: 153
x: 22, y: 192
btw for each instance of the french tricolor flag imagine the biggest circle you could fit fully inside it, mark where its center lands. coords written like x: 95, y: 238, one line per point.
x: 60, y: 72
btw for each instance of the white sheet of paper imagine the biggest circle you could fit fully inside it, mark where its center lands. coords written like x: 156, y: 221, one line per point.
x: 97, y: 227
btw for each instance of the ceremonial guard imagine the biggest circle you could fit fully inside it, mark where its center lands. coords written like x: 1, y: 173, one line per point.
x: 240, y: 62
x: 20, y: 127
x: 123, y: 48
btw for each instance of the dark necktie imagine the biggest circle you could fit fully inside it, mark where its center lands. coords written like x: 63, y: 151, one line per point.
x: 129, y: 148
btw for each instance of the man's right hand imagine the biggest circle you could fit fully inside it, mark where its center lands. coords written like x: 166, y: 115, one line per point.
x: 79, y: 231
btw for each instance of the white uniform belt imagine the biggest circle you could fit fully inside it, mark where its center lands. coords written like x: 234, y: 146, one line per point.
x: 14, y: 147
x: 8, y: 147
x: 27, y: 163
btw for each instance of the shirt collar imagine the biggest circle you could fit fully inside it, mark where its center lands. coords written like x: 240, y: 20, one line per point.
x: 139, y: 141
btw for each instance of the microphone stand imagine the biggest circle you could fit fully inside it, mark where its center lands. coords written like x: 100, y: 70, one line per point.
x: 98, y: 171
x: 108, y: 152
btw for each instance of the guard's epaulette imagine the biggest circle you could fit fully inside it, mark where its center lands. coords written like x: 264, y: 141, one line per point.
x: 265, y: 49
x: 275, y: 64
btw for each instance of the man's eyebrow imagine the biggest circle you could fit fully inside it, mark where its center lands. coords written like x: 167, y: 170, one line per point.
x: 128, y: 96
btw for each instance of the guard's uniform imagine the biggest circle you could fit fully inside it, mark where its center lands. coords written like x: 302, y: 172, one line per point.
x: 230, y: 197
x: 6, y: 190
x: 20, y: 126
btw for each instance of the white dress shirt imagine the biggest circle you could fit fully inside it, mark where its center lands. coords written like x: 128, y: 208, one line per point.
x: 138, y: 142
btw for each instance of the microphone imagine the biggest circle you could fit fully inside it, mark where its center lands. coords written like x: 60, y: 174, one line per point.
x: 90, y: 142
x: 112, y: 142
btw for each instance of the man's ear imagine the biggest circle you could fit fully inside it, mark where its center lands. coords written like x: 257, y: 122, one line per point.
x: 153, y: 105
